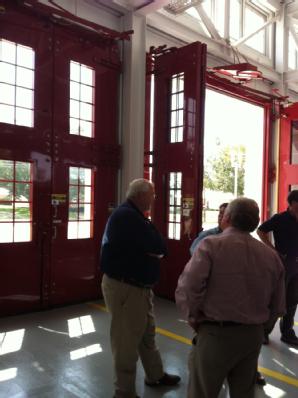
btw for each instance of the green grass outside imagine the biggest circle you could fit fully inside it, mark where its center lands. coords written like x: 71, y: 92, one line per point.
x: 21, y: 213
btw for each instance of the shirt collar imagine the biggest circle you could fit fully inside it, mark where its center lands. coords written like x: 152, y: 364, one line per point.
x: 131, y: 204
x: 234, y: 230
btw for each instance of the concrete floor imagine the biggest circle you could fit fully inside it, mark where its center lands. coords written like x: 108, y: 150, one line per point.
x: 65, y: 353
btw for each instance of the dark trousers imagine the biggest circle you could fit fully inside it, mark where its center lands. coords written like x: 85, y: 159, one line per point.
x: 223, y: 353
x: 287, y: 321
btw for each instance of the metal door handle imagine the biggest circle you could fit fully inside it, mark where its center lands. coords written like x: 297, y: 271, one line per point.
x: 55, y: 211
x: 54, y: 236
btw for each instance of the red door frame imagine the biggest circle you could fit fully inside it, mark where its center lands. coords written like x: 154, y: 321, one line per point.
x: 266, y: 101
x: 288, y: 173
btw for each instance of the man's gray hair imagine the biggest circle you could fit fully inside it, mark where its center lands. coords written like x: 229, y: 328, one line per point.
x: 138, y: 186
x: 243, y: 214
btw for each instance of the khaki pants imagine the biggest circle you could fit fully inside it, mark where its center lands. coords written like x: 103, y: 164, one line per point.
x: 228, y: 352
x: 132, y: 334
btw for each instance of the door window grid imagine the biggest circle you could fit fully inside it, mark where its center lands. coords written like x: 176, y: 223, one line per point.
x: 81, y: 107
x: 177, y: 108
x: 174, y: 205
x: 16, y: 84
x: 15, y: 201
x: 80, y: 208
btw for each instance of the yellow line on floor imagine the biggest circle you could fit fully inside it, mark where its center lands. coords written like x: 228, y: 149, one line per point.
x: 99, y: 306
x: 276, y: 375
x: 173, y: 336
x: 279, y: 376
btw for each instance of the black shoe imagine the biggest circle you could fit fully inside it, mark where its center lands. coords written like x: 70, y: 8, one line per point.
x: 260, y: 379
x: 290, y: 338
x: 266, y: 339
x: 166, y: 380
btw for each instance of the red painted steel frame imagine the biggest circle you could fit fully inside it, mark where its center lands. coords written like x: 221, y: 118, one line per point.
x: 288, y: 173
x: 53, y: 270
x: 149, y: 66
x: 185, y: 157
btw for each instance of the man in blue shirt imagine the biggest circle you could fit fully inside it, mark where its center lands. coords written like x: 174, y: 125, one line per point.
x: 130, y: 254
x: 211, y: 231
x: 284, y: 227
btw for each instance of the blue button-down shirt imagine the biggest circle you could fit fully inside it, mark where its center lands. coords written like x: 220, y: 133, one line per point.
x: 202, y: 235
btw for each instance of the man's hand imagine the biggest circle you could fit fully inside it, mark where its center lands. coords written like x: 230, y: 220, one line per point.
x: 264, y: 236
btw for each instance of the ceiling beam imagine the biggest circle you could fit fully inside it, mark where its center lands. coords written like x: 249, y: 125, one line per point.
x: 187, y: 33
x: 208, y: 23
x: 152, y: 6
x: 291, y: 76
x: 273, y: 5
x: 247, y: 37
x: 292, y: 8
x: 293, y: 31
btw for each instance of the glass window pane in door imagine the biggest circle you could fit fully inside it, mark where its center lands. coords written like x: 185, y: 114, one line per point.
x: 7, y: 51
x: 7, y: 94
x: 15, y: 201
x: 6, y: 169
x: 22, y: 232
x: 22, y: 212
x: 25, y: 57
x: 80, y: 203
x: 7, y: 114
x: 24, y: 117
x: 23, y: 170
x: 6, y: 232
x: 81, y: 108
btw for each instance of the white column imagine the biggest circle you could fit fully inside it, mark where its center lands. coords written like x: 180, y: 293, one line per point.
x: 133, y: 100
x: 281, y: 49
x: 281, y: 66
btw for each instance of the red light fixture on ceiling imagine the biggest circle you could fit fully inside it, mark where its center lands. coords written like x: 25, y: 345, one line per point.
x: 243, y: 72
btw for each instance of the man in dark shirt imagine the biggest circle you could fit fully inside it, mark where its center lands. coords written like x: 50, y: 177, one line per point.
x: 130, y: 254
x: 285, y: 232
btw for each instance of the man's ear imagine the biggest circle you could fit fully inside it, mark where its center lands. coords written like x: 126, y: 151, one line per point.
x: 225, y: 222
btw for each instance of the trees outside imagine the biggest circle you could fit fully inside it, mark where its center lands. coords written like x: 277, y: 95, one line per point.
x: 15, y: 190
x: 14, y: 181
x: 225, y: 171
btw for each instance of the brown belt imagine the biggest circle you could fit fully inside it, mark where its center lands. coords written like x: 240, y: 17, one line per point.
x: 131, y: 281
x: 222, y: 323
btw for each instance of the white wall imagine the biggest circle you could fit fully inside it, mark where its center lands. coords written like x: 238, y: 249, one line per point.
x: 89, y: 10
